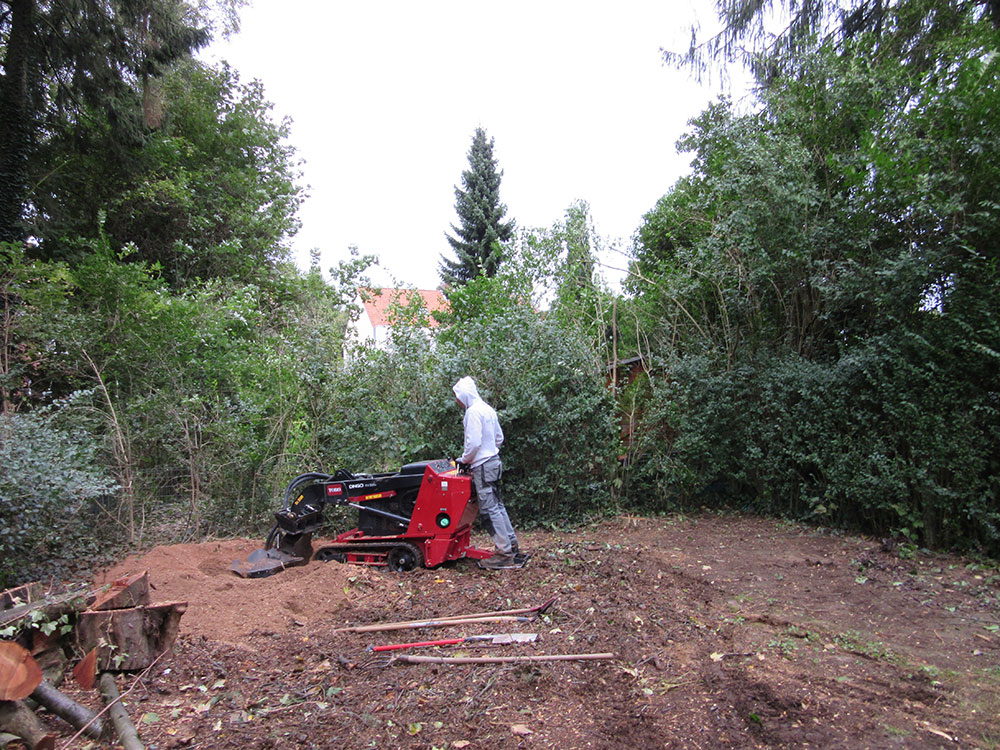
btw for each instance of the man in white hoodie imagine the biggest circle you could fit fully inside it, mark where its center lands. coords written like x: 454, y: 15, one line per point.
x: 483, y: 438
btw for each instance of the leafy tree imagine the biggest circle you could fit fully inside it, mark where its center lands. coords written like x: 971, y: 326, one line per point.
x: 478, y: 238
x: 820, y: 293
x: 564, y: 262
x: 908, y: 29
x: 210, y: 193
x: 67, y: 59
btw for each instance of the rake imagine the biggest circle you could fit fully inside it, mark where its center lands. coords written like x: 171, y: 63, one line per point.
x: 384, y: 659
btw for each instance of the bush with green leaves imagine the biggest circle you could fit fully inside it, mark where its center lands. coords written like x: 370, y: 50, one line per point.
x: 396, y: 406
x: 53, y: 493
x: 820, y: 294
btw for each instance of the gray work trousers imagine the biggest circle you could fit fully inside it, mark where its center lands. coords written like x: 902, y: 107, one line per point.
x: 492, y: 512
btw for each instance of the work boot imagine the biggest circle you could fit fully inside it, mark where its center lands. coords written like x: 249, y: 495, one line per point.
x: 498, y: 561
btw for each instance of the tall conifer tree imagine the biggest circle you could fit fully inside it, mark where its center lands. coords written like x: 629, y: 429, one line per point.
x: 63, y: 60
x: 481, y: 230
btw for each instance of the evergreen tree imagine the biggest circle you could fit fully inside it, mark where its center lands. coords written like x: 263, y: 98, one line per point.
x: 63, y: 60
x: 477, y: 239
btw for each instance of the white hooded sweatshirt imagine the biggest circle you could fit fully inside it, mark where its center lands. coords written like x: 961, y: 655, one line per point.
x: 483, y: 436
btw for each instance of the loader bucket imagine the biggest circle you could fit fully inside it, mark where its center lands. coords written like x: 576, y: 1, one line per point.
x: 293, y: 550
x: 265, y: 562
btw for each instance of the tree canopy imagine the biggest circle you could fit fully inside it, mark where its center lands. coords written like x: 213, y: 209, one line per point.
x: 771, y: 37
x: 65, y: 61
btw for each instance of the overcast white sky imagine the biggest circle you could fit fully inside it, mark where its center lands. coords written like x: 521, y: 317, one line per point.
x: 385, y: 95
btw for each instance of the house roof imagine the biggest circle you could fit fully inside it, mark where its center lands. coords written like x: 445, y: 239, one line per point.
x: 377, y: 303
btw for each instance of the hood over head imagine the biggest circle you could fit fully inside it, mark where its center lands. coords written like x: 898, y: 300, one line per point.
x: 466, y: 391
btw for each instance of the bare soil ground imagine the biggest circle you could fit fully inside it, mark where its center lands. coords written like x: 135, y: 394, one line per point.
x: 729, y: 632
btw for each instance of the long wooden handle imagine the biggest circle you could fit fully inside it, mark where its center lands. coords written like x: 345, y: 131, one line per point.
x: 409, y: 659
x: 523, y: 611
x: 453, y: 619
x: 377, y: 627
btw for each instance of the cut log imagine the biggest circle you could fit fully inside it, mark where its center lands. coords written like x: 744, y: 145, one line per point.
x: 49, y: 654
x: 18, y: 719
x: 68, y: 710
x: 19, y: 672
x: 129, y: 639
x: 127, y: 734
x: 125, y: 593
x: 29, y: 592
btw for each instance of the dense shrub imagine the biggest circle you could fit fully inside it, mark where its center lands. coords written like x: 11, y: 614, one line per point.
x: 876, y: 440
x: 54, y: 497
x: 396, y: 406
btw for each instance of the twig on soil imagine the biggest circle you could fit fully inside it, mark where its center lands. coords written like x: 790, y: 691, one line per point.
x: 580, y: 626
x: 470, y: 710
x: 219, y: 666
x: 720, y: 657
x: 290, y: 705
x: 927, y: 727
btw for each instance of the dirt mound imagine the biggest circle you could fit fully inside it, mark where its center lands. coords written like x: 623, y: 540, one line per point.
x: 224, y: 607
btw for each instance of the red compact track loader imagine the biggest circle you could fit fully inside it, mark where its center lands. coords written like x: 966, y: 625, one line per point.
x: 420, y: 516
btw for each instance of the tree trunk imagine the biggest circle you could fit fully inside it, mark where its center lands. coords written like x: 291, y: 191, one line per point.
x: 124, y: 593
x: 19, y: 673
x: 15, y: 119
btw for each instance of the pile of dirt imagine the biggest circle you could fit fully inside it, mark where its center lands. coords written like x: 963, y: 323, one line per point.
x: 728, y: 632
x: 224, y: 607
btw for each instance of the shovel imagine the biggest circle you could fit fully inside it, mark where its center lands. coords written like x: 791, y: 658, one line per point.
x: 498, y: 639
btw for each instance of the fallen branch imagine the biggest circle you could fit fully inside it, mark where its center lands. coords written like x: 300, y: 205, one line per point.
x: 80, y: 717
x: 116, y: 701
x: 29, y: 592
x: 119, y: 716
x: 50, y: 608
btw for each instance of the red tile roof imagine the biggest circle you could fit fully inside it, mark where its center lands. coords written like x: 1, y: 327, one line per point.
x: 377, y: 302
